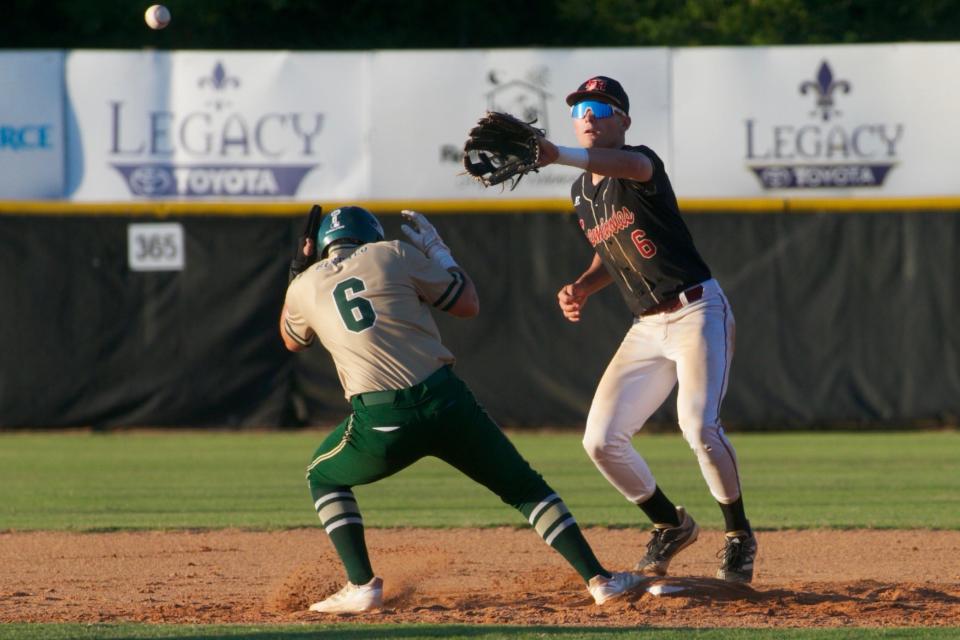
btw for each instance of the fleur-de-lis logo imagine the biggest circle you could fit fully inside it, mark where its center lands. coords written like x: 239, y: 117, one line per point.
x: 824, y: 87
x: 219, y: 80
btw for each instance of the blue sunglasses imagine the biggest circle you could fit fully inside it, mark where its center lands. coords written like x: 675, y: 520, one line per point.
x: 600, y: 110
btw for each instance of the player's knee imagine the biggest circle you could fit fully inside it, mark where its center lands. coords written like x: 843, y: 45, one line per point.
x: 694, y: 433
x: 701, y: 436
x: 593, y: 445
x: 604, y: 446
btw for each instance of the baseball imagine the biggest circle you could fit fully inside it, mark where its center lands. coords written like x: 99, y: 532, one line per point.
x: 157, y: 16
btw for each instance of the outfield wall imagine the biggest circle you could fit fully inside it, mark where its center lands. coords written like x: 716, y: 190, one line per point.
x: 842, y: 318
x: 149, y: 201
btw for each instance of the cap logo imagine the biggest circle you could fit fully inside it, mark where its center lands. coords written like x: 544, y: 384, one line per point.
x: 596, y: 84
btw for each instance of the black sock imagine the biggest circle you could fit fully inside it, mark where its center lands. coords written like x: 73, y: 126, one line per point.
x: 734, y: 517
x: 660, y: 510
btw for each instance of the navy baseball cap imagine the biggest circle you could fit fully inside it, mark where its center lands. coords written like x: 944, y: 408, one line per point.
x: 603, y: 89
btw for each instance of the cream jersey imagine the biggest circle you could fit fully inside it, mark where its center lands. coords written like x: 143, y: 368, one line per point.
x: 370, y: 308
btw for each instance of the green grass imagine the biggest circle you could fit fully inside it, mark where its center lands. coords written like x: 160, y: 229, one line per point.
x: 90, y: 481
x: 415, y: 632
x: 86, y: 481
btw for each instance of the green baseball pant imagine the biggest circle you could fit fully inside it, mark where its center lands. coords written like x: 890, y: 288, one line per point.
x: 390, y: 430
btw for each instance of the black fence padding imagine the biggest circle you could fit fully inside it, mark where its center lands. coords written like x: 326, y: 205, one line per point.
x: 89, y: 342
x: 842, y: 319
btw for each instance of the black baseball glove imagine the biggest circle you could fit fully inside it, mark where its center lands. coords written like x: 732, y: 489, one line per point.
x: 302, y: 260
x: 500, y: 148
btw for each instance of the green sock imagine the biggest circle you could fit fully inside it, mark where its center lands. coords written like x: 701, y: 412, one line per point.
x: 351, y: 546
x: 553, y: 521
x: 341, y: 518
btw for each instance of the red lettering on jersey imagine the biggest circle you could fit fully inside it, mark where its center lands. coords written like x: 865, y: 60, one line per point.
x: 618, y: 221
x: 643, y: 244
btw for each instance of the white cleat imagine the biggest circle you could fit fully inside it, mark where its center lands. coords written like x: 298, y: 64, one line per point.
x: 353, y: 598
x: 603, y: 589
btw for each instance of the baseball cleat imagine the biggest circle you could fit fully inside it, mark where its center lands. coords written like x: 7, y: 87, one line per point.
x: 603, y: 589
x: 666, y: 542
x: 353, y: 598
x: 738, y: 556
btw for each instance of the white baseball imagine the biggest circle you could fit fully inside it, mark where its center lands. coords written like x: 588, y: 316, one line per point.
x: 157, y: 16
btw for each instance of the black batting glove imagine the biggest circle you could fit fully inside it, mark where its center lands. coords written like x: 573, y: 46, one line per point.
x: 301, y: 259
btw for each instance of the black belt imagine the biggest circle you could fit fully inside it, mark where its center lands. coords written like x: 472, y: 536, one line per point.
x: 442, y: 374
x: 672, y: 304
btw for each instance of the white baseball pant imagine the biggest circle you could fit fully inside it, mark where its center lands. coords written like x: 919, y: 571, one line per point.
x: 693, y: 346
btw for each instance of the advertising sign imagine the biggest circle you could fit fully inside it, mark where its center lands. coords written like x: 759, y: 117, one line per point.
x: 729, y: 122
x: 866, y: 120
x: 426, y: 102
x: 31, y: 125
x: 220, y: 125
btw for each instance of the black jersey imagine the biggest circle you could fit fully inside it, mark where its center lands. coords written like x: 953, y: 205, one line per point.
x: 636, y: 229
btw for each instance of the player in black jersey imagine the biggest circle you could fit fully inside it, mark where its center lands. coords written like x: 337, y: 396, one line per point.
x: 683, y: 328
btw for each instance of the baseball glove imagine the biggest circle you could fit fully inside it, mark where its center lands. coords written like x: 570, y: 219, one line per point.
x: 302, y: 260
x: 500, y: 148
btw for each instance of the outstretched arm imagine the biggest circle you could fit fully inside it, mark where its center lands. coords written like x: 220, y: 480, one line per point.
x: 613, y: 163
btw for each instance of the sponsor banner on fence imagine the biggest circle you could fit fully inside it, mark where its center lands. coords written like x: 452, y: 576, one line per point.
x: 31, y: 125
x: 216, y: 124
x: 740, y: 122
x: 425, y: 103
x: 870, y: 120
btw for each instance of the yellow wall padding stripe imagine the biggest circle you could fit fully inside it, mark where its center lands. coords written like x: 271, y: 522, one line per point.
x: 282, y: 209
x: 499, y: 205
x: 808, y: 205
x: 876, y: 204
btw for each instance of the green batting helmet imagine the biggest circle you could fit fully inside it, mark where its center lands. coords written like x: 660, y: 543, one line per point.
x: 352, y: 223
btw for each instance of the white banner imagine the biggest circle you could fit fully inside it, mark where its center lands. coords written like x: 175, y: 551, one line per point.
x: 31, y: 125
x: 871, y: 120
x: 778, y: 122
x: 426, y: 102
x: 220, y: 125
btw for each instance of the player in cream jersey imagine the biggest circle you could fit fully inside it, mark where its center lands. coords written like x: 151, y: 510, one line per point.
x: 369, y: 303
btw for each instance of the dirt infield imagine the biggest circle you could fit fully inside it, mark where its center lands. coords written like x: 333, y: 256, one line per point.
x: 475, y: 576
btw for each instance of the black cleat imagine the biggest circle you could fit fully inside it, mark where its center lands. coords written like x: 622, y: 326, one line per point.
x: 666, y: 542
x: 738, y: 556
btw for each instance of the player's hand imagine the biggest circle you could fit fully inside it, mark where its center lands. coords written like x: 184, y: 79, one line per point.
x: 571, y: 299
x: 548, y: 152
x: 306, y: 253
x: 423, y: 235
